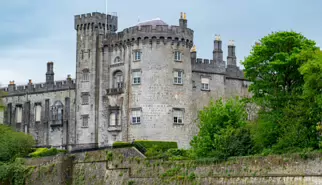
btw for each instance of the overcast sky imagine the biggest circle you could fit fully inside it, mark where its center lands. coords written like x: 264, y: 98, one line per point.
x: 33, y: 32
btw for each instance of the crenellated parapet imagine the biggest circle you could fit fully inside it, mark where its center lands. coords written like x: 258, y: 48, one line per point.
x: 13, y: 90
x: 206, y: 66
x: 96, y: 20
x: 148, y: 34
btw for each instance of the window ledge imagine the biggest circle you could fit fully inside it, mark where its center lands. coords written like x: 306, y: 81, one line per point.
x: 114, y: 128
x: 179, y: 124
x: 178, y: 60
x: 178, y: 84
x: 136, y: 60
x: 207, y: 90
x: 56, y: 125
x: 137, y: 84
x: 84, y: 127
x: 85, y: 103
x: 136, y: 123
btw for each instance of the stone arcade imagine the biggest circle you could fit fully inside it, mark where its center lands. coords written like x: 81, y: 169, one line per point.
x: 143, y: 83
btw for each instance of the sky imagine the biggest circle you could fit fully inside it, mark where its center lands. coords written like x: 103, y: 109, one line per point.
x: 33, y: 32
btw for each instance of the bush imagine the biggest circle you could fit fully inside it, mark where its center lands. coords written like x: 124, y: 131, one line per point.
x: 42, y: 152
x: 120, y: 144
x: 14, y: 144
x: 160, y: 145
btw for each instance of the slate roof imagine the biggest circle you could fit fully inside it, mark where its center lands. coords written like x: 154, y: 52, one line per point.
x: 152, y: 22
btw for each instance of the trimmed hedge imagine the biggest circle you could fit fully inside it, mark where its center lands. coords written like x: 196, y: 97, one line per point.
x: 42, y: 152
x: 162, y: 145
x: 120, y: 144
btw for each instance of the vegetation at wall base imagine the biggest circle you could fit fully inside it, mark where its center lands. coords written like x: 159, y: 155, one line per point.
x: 43, y: 152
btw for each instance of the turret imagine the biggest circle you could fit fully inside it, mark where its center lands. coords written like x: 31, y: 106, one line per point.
x: 183, y: 20
x: 50, y: 73
x: 218, y: 53
x: 231, y: 58
x: 30, y: 84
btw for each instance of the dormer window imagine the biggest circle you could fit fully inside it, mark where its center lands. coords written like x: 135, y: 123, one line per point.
x: 177, y: 56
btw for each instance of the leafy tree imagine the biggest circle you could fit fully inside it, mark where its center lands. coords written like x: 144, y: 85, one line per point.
x: 273, y: 66
x: 14, y: 144
x: 223, y: 130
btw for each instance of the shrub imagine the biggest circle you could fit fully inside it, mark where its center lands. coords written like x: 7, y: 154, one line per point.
x: 120, y: 144
x: 161, y: 145
x: 42, y: 152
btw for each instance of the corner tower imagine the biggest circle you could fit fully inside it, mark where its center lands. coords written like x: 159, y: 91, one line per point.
x: 91, y: 29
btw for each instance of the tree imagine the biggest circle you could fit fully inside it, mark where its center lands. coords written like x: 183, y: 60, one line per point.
x: 273, y: 66
x: 14, y: 144
x: 223, y: 131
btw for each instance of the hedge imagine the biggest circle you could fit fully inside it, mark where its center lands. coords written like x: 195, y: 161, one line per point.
x: 162, y: 145
x: 120, y: 144
x: 42, y: 152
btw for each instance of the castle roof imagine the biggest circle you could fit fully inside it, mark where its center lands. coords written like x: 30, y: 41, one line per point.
x: 152, y: 22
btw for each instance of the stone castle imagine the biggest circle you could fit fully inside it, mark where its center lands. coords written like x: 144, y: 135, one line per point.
x: 142, y: 83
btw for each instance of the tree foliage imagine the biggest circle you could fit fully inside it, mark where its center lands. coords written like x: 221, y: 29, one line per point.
x: 223, y: 130
x: 14, y: 144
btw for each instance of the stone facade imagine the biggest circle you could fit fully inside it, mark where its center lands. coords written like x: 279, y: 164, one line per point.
x: 143, y: 83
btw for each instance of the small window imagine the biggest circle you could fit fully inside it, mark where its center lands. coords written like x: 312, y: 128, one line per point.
x: 113, y: 119
x: 177, y: 77
x: 85, y: 120
x: 85, y: 98
x: 137, y: 55
x: 205, y: 83
x: 85, y: 75
x: 177, y: 56
x: 18, y: 114
x: 136, y: 116
x: 118, y: 79
x: 136, y: 77
x: 37, y: 112
x: 178, y: 116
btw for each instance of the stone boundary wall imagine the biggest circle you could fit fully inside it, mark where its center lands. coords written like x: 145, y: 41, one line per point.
x: 129, y: 167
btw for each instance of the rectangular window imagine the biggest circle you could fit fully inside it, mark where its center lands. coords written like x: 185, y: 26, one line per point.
x: 85, y: 98
x: 136, y: 77
x: 85, y: 120
x: 85, y: 76
x: 137, y: 55
x: 178, y: 116
x: 205, y: 83
x: 136, y: 116
x: 177, y: 56
x: 177, y: 77
x: 37, y: 112
x: 18, y: 114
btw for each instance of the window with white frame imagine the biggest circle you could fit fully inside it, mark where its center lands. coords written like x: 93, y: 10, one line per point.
x: 85, y: 119
x: 85, y: 75
x: 137, y: 55
x: 205, y: 83
x: 136, y: 116
x: 177, y: 77
x: 85, y: 98
x: 113, y: 119
x: 178, y: 116
x: 136, y: 77
x: 18, y: 114
x: 37, y: 112
x: 177, y: 56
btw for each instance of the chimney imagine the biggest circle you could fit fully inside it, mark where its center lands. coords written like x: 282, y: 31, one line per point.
x: 11, y: 86
x: 231, y: 58
x: 218, y: 53
x: 30, y: 84
x: 50, y: 73
x: 193, y: 54
x: 183, y: 20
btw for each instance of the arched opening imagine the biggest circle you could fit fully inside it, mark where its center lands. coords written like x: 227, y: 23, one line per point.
x: 118, y: 79
x: 57, y: 113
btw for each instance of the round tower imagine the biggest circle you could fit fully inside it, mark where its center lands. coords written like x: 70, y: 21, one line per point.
x: 155, y: 62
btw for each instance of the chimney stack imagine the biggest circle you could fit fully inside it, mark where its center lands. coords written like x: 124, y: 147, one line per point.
x: 218, y: 53
x: 231, y: 58
x: 50, y: 73
x: 183, y: 20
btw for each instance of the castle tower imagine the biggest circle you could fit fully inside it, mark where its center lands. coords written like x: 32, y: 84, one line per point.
x: 231, y: 58
x: 91, y: 29
x: 50, y: 73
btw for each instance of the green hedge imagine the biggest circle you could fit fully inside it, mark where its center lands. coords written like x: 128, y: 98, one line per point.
x: 162, y: 145
x: 120, y: 144
x: 42, y: 152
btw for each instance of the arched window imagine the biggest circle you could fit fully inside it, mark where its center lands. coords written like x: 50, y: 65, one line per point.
x: 117, y: 60
x: 57, y: 112
x: 118, y: 79
x: 85, y: 76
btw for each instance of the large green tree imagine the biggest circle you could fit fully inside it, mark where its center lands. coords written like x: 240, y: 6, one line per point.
x: 274, y: 68
x: 223, y: 131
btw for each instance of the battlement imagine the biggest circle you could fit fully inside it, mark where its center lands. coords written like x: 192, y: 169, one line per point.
x: 206, y: 66
x: 13, y: 90
x: 150, y: 33
x: 91, y: 20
